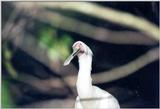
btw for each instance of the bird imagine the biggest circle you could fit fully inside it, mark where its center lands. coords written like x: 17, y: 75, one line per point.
x: 89, y: 96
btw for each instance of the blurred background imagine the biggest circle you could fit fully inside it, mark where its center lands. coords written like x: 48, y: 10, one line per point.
x: 38, y: 36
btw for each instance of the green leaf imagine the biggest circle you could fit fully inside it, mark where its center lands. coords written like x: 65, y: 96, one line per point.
x: 6, y: 96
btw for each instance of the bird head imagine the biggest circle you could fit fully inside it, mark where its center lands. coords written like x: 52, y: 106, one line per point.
x: 79, y: 49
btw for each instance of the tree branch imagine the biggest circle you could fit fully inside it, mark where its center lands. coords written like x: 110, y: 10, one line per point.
x: 88, y: 30
x: 127, y: 69
x: 108, y: 14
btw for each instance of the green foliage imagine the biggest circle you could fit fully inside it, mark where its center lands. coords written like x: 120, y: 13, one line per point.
x: 57, y: 46
x: 10, y: 69
x: 7, y: 54
x: 45, y: 38
x: 6, y: 97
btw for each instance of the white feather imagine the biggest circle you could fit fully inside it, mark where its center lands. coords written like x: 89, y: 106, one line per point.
x: 89, y: 96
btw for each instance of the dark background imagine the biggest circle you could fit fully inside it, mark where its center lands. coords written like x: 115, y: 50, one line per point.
x: 140, y: 89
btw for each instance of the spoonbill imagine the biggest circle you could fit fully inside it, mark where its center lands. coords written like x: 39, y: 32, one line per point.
x: 89, y: 96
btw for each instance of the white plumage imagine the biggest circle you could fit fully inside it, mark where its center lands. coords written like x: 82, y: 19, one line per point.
x: 89, y: 96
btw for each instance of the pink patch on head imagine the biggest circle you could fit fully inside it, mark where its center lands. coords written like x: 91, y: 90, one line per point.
x: 78, y: 45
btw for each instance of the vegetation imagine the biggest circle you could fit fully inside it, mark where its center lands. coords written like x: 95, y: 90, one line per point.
x: 37, y: 37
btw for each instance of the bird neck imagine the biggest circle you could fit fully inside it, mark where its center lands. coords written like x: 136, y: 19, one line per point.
x: 84, y: 81
x: 85, y: 65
